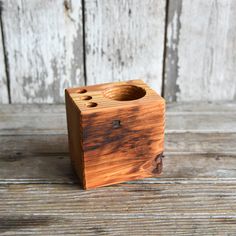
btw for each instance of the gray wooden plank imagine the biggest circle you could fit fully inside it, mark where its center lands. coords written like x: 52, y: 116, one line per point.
x: 45, y: 158
x: 174, y: 143
x: 200, y: 107
x: 126, y: 209
x: 55, y: 168
x: 43, y: 42
x: 39, y: 193
x: 200, y: 60
x: 3, y: 77
x: 34, y: 139
x: 175, y: 123
x: 124, y: 40
x: 175, y: 107
x: 36, y: 119
x: 171, y: 88
x: 200, y: 142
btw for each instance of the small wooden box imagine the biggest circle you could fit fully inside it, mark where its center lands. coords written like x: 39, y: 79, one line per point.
x: 116, y: 132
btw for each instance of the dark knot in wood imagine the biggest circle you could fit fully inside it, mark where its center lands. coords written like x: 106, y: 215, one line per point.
x: 158, y: 164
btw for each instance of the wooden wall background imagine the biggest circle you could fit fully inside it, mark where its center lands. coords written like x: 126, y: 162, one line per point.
x: 184, y: 49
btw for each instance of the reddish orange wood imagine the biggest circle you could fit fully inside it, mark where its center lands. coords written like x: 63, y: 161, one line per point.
x: 116, y: 132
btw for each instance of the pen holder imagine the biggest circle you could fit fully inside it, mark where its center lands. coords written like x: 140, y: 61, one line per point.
x: 116, y: 132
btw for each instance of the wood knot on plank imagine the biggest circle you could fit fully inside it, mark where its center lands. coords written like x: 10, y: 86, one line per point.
x: 68, y: 9
x: 158, y: 165
x: 67, y: 5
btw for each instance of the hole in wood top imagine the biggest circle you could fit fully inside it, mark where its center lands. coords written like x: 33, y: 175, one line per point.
x: 91, y: 104
x: 124, y: 92
x: 81, y: 91
x: 86, y: 98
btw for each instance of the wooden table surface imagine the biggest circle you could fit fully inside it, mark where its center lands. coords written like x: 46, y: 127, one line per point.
x: 196, y: 194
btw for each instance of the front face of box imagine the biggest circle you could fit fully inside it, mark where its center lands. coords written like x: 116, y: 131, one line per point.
x: 122, y: 144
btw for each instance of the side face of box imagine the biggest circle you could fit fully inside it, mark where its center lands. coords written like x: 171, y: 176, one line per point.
x: 75, y: 138
x: 122, y: 144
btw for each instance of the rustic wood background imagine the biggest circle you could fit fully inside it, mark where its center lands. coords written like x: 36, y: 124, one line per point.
x: 183, y: 49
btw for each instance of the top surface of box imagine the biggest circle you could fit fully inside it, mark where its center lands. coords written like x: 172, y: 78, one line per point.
x: 109, y: 95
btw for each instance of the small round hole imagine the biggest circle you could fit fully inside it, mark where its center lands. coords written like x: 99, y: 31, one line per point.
x: 124, y: 92
x: 81, y: 91
x: 91, y: 104
x: 86, y: 98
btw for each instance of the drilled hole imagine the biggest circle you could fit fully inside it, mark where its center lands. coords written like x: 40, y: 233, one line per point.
x: 91, y: 104
x: 86, y: 98
x: 124, y: 92
x: 81, y: 91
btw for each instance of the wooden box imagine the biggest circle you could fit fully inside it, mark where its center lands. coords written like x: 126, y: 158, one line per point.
x: 116, y: 132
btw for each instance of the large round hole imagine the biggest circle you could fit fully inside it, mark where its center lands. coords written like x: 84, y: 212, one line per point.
x: 124, y: 92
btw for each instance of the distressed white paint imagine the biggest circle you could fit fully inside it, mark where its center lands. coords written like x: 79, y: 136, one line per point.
x: 44, y: 47
x: 124, y: 40
x: 206, y: 50
x: 3, y: 78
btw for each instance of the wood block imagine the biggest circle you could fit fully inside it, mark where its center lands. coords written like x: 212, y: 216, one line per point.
x: 116, y: 132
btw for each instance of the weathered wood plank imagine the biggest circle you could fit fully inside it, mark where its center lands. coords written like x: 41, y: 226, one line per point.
x: 180, y: 107
x: 124, y: 40
x: 171, y: 88
x: 53, y: 124
x: 200, y: 60
x: 13, y: 145
x: 136, y: 209
x: 39, y: 132
x: 48, y: 119
x: 42, y: 167
x: 45, y: 158
x: 200, y: 107
x: 39, y: 193
x: 44, y: 47
x: 3, y: 77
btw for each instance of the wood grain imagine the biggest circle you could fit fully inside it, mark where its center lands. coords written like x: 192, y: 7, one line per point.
x: 124, y: 40
x: 36, y: 167
x: 171, y: 88
x: 120, y: 138
x: 3, y: 77
x: 57, y: 143
x: 183, y: 208
x: 181, y: 118
x: 200, y: 62
x: 43, y: 41
x: 39, y: 193
x: 75, y: 138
